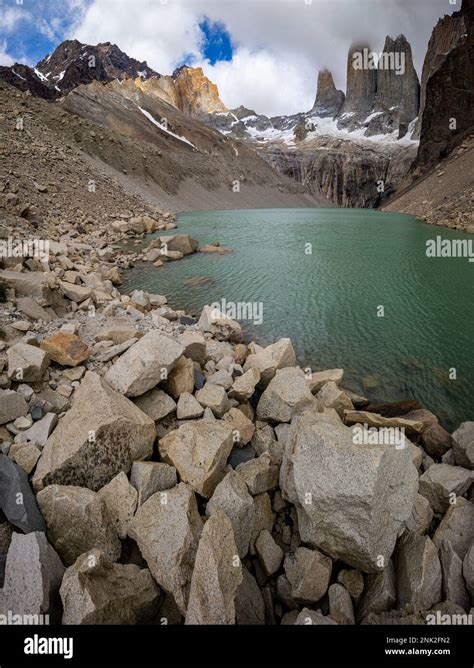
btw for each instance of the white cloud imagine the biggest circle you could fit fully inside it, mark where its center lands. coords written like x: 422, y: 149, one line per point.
x: 5, y: 59
x: 279, y: 45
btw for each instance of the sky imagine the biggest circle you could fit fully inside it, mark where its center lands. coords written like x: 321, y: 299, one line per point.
x: 264, y: 54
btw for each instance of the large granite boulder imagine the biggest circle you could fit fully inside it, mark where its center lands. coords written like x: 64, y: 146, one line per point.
x: 102, y: 434
x: 17, y: 501
x: 352, y: 500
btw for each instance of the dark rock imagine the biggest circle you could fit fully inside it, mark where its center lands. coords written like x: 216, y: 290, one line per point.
x: 17, y: 501
x: 329, y: 100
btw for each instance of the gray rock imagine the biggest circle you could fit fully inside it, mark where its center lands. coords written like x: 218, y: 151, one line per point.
x: 194, y: 345
x: 77, y: 521
x: 287, y: 395
x: 41, y: 430
x: 260, y: 474
x: 320, y: 378
x: 145, y: 364
x: 199, y: 451
x: 101, y: 435
x: 32, y: 577
x: 380, y: 592
x: 188, y: 407
x: 151, y: 477
x: 12, y: 405
x: 277, y: 356
x: 331, y: 396
x: 249, y: 604
x: 156, y: 404
x: 418, y: 572
x: 457, y: 527
x: 468, y: 570
x: 244, y: 386
x: 463, y: 445
x: 308, y: 572
x: 436, y: 440
x: 121, y: 502
x: 441, y: 484
x: 219, y: 325
x: 269, y: 553
x: 421, y: 517
x: 25, y: 455
x: 26, y: 363
x: 352, y: 500
x: 232, y: 496
x: 353, y: 581
x: 97, y: 591
x: 17, y: 501
x: 217, y: 574
x: 167, y: 528
x: 213, y: 397
x: 454, y: 586
x: 340, y: 605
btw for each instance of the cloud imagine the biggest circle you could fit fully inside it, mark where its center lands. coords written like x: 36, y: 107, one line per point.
x: 5, y: 59
x: 279, y: 45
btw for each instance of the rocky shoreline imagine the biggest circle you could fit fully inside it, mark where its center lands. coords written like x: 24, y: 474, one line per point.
x: 157, y: 469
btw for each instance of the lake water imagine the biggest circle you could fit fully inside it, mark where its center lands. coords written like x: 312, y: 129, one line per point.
x: 323, y: 278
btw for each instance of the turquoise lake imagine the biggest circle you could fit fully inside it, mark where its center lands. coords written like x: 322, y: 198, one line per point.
x: 321, y: 276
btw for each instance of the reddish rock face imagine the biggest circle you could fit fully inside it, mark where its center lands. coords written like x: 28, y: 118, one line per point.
x: 65, y: 349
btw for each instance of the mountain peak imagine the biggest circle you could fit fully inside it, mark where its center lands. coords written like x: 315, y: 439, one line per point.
x: 329, y: 100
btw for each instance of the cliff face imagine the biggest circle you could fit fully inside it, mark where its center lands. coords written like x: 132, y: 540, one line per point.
x: 329, y: 100
x: 361, y: 88
x: 196, y: 94
x: 448, y: 88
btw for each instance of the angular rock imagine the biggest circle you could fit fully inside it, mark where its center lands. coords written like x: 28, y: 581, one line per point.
x: 151, y: 477
x: 244, y: 386
x: 194, y: 345
x: 308, y: 572
x: 180, y: 242
x: 454, y: 586
x: 352, y: 500
x: 17, y: 501
x: 41, y: 430
x: 468, y: 570
x: 77, y: 521
x: 96, y: 591
x: 277, y: 356
x: 219, y: 325
x: 26, y: 363
x: 260, y: 474
x: 120, y: 499
x: 269, y: 553
x: 331, y: 396
x: 199, y: 451
x: 102, y: 434
x: 217, y: 574
x: 380, y: 592
x: 320, y: 378
x: 231, y: 495
x: 167, y: 528
x: 65, y: 349
x: 242, y: 428
x: 213, y: 397
x: 376, y: 420
x: 421, y: 517
x: 76, y: 293
x: 181, y: 378
x: 156, y: 404
x: 249, y: 604
x: 457, y: 527
x: 25, y: 455
x: 436, y: 440
x: 441, y: 484
x: 12, y: 406
x: 33, y: 575
x: 263, y: 517
x: 463, y: 445
x: 353, y: 581
x: 418, y: 571
x: 144, y: 365
x: 286, y: 395
x: 188, y: 407
x: 33, y: 284
x: 340, y: 605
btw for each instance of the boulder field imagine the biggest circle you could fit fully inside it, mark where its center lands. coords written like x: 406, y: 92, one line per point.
x: 154, y: 468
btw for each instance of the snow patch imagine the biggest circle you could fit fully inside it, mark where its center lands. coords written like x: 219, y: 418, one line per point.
x: 164, y: 129
x: 40, y: 75
x: 18, y: 75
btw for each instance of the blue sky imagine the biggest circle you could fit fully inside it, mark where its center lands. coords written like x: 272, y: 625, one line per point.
x: 264, y: 54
